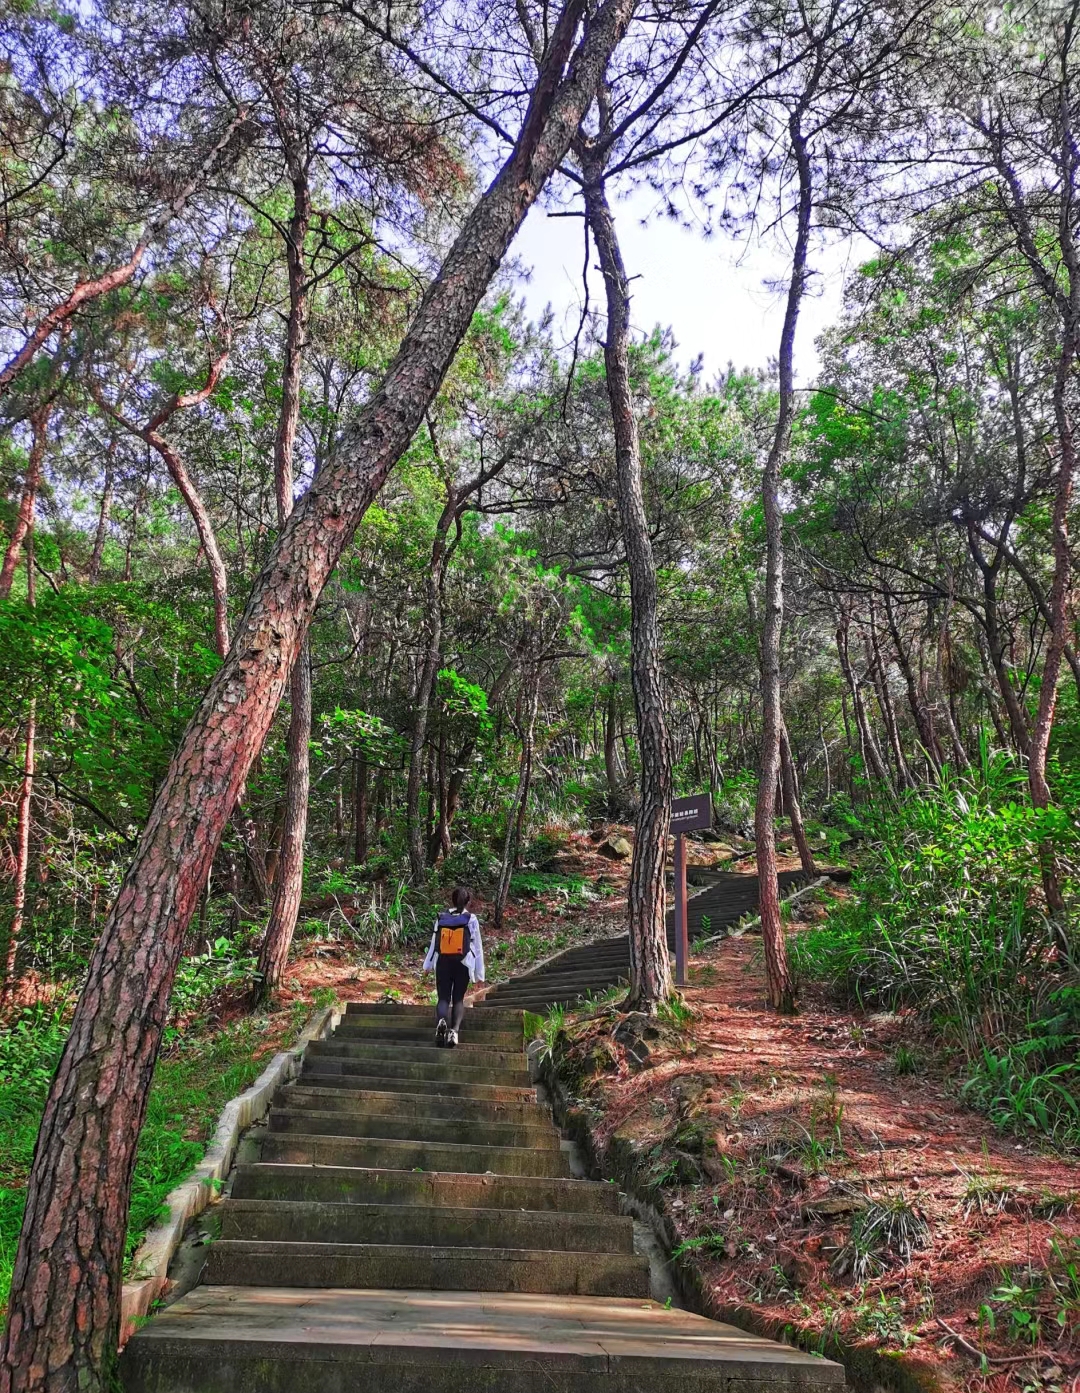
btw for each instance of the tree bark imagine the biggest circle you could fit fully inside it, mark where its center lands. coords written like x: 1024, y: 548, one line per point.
x: 516, y: 812
x: 24, y: 519
x: 650, y: 966
x: 790, y: 785
x: 1060, y: 595
x: 868, y: 747
x: 780, y: 982
x: 422, y: 706
x: 885, y: 705
x: 923, y: 723
x: 995, y: 645
x: 612, y: 769
x: 196, y: 506
x: 63, y: 1319
x: 289, y: 880
x: 25, y: 807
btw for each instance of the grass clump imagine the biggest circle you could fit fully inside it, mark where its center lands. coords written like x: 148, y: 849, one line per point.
x: 949, y: 921
x: 889, y: 1228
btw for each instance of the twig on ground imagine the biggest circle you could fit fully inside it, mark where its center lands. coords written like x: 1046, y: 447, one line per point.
x: 977, y: 1353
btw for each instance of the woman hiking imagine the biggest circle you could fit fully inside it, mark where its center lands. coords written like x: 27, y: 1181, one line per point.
x: 457, y: 955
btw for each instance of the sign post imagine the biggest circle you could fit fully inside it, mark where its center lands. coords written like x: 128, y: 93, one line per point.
x: 687, y: 815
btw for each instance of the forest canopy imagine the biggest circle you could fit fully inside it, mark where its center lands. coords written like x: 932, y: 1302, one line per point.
x: 333, y: 577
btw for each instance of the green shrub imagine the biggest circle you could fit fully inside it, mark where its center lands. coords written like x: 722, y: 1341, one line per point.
x: 191, y: 1086
x: 948, y: 920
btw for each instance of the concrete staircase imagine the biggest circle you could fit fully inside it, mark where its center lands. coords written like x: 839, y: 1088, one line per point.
x: 412, y: 1221
x: 593, y: 967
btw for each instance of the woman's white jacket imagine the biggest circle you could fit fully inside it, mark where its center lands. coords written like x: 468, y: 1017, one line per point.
x: 474, y: 954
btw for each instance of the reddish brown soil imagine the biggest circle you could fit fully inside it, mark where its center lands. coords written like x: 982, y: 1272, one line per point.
x: 774, y: 1114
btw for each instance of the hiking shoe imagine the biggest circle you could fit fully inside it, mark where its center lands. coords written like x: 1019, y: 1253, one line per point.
x: 440, y: 1034
x: 451, y: 1040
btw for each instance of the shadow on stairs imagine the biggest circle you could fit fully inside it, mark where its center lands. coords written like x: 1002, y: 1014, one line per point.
x: 411, y: 1224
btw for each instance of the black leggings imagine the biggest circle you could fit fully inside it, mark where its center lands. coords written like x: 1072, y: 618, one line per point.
x: 451, y: 982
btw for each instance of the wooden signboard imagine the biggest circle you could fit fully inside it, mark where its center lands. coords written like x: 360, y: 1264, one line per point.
x: 692, y: 814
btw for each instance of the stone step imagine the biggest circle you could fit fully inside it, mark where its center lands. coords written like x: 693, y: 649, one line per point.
x: 414, y: 1125
x: 440, y: 1226
x: 237, y: 1262
x: 280, y: 1340
x: 444, y: 1066
x: 314, y: 1150
x: 410, y: 1032
x: 469, y: 1053
x: 565, y: 991
x: 542, y: 998
x: 332, y: 1076
x: 455, y: 1190
x: 585, y: 979
x: 607, y: 959
x: 505, y: 1020
x: 374, y: 1103
x: 587, y: 957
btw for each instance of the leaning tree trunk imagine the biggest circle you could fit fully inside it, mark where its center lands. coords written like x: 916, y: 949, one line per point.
x: 650, y: 966
x: 64, y: 1308
x: 780, y: 983
x: 289, y: 881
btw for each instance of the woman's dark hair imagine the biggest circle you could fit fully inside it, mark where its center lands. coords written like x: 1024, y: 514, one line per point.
x: 461, y: 898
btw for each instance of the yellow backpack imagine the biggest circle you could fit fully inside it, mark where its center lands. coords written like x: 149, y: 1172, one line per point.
x: 452, y: 931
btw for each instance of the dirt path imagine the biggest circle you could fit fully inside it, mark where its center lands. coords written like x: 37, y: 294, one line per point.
x: 770, y: 1136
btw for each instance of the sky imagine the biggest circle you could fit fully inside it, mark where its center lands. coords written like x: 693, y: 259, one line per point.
x: 713, y: 294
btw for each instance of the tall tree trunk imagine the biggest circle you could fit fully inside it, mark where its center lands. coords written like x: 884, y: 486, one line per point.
x: 98, y: 552
x: 995, y: 645
x: 360, y: 810
x: 868, y: 746
x: 885, y: 706
x: 422, y: 704
x: 1060, y: 595
x: 22, y: 823
x: 289, y: 880
x: 215, y: 563
x: 923, y: 722
x: 650, y: 966
x: 780, y: 983
x: 24, y: 518
x: 790, y: 785
x: 72, y: 1241
x: 516, y: 811
x: 612, y: 768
